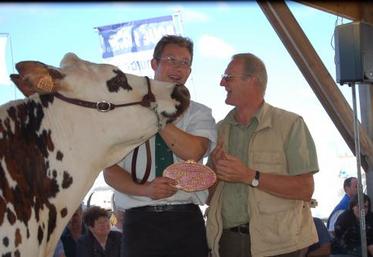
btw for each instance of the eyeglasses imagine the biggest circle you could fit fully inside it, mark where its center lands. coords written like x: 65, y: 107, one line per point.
x: 185, y: 63
x: 229, y: 77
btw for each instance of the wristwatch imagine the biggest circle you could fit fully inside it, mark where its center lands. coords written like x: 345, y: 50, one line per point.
x: 255, y: 181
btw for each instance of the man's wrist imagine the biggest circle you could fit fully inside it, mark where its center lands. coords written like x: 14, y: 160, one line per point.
x: 255, y: 180
x: 250, y: 176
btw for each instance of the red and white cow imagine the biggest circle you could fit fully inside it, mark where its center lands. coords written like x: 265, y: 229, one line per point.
x: 83, y: 117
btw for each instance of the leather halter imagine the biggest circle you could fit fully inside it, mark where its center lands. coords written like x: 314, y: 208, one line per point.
x: 104, y: 106
x: 148, y: 164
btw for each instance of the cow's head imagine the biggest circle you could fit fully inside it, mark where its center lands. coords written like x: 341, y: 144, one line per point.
x: 85, y: 81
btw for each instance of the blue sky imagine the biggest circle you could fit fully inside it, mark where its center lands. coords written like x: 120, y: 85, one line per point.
x: 45, y: 32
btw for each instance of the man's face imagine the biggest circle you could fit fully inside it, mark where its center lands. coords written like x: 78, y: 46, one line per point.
x: 174, y: 64
x: 352, y: 189
x: 76, y: 220
x: 240, y: 88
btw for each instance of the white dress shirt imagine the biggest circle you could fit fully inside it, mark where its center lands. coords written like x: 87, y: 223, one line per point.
x: 198, y: 121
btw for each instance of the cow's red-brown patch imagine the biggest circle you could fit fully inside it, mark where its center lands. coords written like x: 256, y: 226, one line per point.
x: 18, y: 237
x: 117, y: 82
x: 25, y: 148
x: 63, y: 212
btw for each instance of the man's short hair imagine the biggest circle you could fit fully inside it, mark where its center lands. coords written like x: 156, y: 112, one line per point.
x: 253, y: 66
x: 173, y: 39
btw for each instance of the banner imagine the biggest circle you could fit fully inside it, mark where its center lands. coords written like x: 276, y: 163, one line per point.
x: 130, y: 45
x: 4, y: 75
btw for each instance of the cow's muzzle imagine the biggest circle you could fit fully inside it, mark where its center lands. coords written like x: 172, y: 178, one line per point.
x: 182, y: 95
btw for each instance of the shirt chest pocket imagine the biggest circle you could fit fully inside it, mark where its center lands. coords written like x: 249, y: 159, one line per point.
x: 268, y: 161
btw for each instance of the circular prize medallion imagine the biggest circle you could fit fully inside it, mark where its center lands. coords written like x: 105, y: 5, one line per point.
x: 191, y: 176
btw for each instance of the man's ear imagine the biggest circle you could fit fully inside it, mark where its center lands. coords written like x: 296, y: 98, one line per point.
x: 154, y: 64
x: 190, y: 71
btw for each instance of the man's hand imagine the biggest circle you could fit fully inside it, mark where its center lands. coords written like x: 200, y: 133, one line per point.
x: 160, y: 187
x: 231, y: 169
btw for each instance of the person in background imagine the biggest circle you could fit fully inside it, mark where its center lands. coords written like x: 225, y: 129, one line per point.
x: 264, y: 161
x: 73, y: 231
x: 323, y: 247
x: 59, y: 252
x: 350, y: 188
x: 116, y: 220
x: 347, y: 229
x: 100, y: 241
x: 170, y: 218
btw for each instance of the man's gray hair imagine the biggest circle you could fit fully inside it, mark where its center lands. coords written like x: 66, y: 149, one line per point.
x: 253, y: 66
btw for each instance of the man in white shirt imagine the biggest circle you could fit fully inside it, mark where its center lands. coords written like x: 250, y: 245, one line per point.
x: 159, y: 219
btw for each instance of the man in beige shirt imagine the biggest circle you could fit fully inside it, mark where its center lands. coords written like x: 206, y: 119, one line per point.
x: 264, y: 162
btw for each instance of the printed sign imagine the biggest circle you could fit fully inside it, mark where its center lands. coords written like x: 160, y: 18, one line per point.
x: 130, y: 45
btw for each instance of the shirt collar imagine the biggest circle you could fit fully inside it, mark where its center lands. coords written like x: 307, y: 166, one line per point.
x: 259, y: 116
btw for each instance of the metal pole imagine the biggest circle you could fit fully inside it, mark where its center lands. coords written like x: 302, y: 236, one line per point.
x: 360, y: 188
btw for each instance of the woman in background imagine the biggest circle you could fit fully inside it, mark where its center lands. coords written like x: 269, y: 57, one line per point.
x: 347, y: 229
x: 100, y: 240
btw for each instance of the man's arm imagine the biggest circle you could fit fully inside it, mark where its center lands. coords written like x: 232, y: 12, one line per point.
x: 121, y: 180
x: 186, y: 146
x: 298, y: 187
x: 333, y: 220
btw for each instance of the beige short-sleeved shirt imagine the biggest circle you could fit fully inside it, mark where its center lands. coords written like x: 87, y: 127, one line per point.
x: 235, y: 195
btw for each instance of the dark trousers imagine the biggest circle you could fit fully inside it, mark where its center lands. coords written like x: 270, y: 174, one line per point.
x: 234, y: 244
x: 171, y: 233
x: 237, y: 244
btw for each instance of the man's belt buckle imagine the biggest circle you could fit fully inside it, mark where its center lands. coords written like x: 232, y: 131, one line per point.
x: 160, y: 208
x: 242, y: 229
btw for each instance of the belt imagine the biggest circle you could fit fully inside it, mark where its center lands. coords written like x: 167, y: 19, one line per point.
x: 243, y: 229
x: 164, y: 208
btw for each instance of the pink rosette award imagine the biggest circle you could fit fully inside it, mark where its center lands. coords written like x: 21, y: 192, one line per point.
x: 191, y: 176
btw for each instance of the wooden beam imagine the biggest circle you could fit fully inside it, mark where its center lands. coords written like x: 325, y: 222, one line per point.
x: 353, y: 10
x: 317, y: 76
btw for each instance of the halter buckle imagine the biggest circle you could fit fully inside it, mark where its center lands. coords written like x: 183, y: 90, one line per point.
x: 103, y: 106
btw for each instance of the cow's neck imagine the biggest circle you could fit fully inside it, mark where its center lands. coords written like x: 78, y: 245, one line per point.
x: 84, y: 153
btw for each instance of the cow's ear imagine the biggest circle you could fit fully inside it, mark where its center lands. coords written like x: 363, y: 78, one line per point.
x: 36, y: 77
x: 55, y: 73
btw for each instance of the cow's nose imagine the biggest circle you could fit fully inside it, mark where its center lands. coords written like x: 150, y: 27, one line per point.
x: 181, y: 93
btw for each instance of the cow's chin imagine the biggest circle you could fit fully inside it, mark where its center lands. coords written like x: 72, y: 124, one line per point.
x: 170, y: 118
